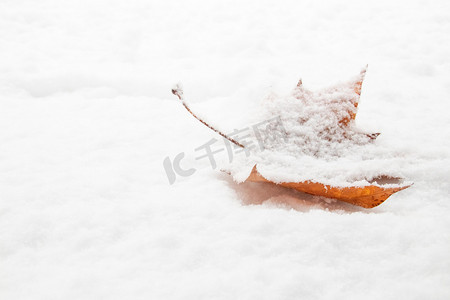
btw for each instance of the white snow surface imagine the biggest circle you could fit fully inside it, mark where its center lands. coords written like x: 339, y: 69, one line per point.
x: 87, y: 119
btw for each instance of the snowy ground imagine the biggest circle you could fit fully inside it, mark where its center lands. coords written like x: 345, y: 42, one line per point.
x: 87, y: 118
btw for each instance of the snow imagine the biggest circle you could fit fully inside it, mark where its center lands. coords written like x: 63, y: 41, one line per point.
x: 87, y: 119
x: 310, y: 136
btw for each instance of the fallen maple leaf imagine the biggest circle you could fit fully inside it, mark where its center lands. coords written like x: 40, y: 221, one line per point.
x: 320, y: 128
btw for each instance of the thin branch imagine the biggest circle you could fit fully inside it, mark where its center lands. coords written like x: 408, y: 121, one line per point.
x: 178, y: 91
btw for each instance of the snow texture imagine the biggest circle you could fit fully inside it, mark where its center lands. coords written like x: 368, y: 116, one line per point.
x: 311, y: 136
x: 87, y: 119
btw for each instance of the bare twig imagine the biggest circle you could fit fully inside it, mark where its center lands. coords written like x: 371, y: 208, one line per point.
x: 178, y: 91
